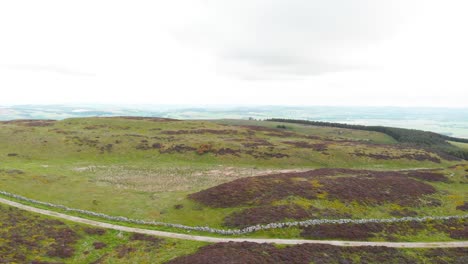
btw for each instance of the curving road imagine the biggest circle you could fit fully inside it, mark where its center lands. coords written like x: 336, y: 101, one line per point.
x: 221, y: 239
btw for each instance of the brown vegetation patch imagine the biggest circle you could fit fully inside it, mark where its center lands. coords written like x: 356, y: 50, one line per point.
x: 154, y: 119
x: 94, y: 127
x: 455, y: 228
x: 463, y: 207
x: 204, y: 149
x: 145, y: 145
x: 84, y: 141
x: 151, y: 240
x: 12, y: 172
x: 94, y: 231
x: 247, y: 252
x: 377, y: 189
x: 430, y: 201
x: 99, y: 245
x: 22, y: 234
x: 257, y: 142
x: 179, y: 148
x: 428, y: 176
x: 106, y: 148
x: 227, y: 151
x: 403, y: 213
x: 344, y: 231
x: 149, y: 243
x: 266, y: 155
x: 178, y: 206
x: 369, y: 187
x: 63, y: 132
x: 388, y: 156
x: 306, y: 145
x: 326, y: 213
x: 282, y: 134
x: 262, y: 129
x: 200, y: 132
x: 135, y: 135
x: 459, y: 233
x: 272, y: 132
x: 265, y: 214
x: 30, y: 122
x: 279, y: 213
x: 44, y: 262
x: 157, y: 145
x: 63, y: 245
x: 457, y: 166
x: 124, y: 250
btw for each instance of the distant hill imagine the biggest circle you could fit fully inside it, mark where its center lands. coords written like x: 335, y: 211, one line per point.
x: 445, y: 121
x: 431, y: 140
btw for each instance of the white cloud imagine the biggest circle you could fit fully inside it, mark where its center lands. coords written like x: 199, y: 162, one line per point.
x: 276, y: 37
x: 337, y: 52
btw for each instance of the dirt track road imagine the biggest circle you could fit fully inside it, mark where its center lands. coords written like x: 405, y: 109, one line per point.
x: 221, y: 239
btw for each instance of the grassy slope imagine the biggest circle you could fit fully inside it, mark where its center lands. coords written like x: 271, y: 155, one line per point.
x: 461, y: 145
x: 35, y: 243
x: 430, y: 140
x: 344, y: 133
x: 28, y: 237
x: 64, y: 164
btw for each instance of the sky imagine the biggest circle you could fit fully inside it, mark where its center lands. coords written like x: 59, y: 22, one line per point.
x: 243, y: 52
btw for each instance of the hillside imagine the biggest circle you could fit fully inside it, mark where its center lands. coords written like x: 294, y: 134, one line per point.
x: 166, y: 170
x: 228, y: 177
x: 30, y: 238
x: 425, y: 139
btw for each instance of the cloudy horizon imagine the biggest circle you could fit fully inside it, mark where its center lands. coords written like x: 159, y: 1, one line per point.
x: 257, y: 52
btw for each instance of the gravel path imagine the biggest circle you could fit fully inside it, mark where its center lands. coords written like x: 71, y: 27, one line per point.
x: 221, y: 239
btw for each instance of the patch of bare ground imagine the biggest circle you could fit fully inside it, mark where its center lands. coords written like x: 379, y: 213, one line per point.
x: 171, y: 179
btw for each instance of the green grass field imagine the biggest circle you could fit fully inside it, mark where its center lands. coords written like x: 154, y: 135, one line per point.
x: 463, y: 146
x: 146, y: 168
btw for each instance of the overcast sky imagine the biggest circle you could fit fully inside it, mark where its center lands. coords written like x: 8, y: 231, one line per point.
x: 277, y: 52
